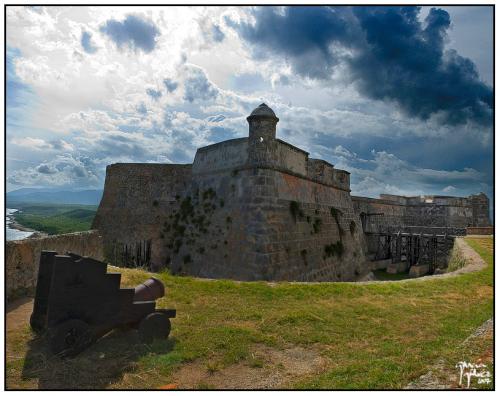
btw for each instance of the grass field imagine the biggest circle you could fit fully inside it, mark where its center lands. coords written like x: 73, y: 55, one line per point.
x: 55, y: 219
x: 356, y: 336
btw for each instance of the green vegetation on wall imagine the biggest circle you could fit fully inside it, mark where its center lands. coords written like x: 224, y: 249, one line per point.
x: 192, y: 220
x: 336, y: 213
x: 334, y: 249
x: 295, y: 210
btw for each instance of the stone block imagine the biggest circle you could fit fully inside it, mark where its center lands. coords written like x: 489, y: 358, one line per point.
x: 396, y: 268
x: 380, y: 264
x: 417, y: 271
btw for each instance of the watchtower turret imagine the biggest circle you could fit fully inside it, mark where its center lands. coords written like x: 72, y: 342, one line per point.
x: 262, y: 124
x: 262, y: 144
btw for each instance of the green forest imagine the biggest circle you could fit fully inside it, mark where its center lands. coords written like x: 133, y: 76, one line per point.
x: 55, y: 219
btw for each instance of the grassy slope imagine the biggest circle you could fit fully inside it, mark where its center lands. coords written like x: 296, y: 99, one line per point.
x: 56, y: 219
x: 376, y: 335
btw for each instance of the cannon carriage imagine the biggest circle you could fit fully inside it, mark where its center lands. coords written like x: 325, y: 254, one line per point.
x: 77, y: 301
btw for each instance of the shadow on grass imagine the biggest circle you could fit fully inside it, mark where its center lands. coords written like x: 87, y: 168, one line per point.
x: 382, y: 275
x: 101, y: 365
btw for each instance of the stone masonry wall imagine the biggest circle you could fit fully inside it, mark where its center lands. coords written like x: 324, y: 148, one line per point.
x: 480, y: 210
x: 241, y: 224
x: 224, y: 155
x: 438, y: 212
x: 131, y: 213
x: 311, y: 231
x: 22, y: 258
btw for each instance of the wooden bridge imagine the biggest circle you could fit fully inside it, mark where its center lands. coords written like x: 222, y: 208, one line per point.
x: 413, y: 248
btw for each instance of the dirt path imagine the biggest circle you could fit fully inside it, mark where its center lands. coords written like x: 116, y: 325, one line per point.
x: 18, y: 313
x: 267, y: 369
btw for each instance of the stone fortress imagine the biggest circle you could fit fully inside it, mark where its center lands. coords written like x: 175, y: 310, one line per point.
x: 258, y: 208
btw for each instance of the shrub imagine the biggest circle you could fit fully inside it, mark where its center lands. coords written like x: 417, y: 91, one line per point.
x: 295, y: 210
x: 336, y: 249
x: 317, y: 225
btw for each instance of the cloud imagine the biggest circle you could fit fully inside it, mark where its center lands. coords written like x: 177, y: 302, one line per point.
x: 142, y: 109
x: 449, y: 189
x: 155, y: 94
x: 384, y: 172
x: 405, y: 62
x: 44, y: 168
x: 302, y: 34
x: 32, y: 143
x: 217, y: 34
x: 197, y: 86
x: 170, y: 84
x: 38, y: 144
x: 87, y: 44
x: 388, y: 53
x: 98, y: 107
x: 133, y: 32
x: 63, y: 170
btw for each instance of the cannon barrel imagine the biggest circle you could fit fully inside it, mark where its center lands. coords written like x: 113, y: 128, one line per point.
x: 150, y: 290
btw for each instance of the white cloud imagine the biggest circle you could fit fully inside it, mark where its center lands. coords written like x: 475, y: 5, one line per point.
x: 96, y: 106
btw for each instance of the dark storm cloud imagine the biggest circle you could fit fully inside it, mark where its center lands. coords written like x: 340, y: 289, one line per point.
x: 405, y: 62
x: 197, y: 86
x: 87, y: 44
x: 134, y: 32
x: 170, y: 84
x: 304, y: 34
x: 391, y: 56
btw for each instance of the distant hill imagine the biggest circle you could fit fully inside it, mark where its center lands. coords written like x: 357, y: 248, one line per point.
x: 33, y: 195
x: 55, y: 218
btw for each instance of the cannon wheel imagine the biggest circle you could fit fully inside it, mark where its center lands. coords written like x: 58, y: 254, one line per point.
x: 155, y: 325
x: 69, y: 338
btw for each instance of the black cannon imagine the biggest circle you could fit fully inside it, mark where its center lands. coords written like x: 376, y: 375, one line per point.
x: 76, y: 302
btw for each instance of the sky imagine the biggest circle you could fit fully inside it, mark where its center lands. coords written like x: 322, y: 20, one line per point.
x: 401, y: 97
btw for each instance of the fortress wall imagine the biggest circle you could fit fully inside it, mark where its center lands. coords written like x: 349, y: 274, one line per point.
x: 434, y: 215
x: 22, y: 258
x: 208, y: 235
x: 320, y: 170
x: 377, y: 214
x: 136, y: 197
x: 341, y: 179
x: 480, y: 210
x: 228, y: 154
x: 257, y: 208
x: 449, y: 212
x: 291, y: 158
x: 429, y: 213
x: 248, y: 231
x: 291, y: 243
x: 396, y: 198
